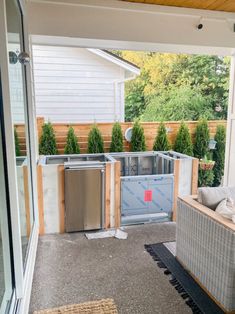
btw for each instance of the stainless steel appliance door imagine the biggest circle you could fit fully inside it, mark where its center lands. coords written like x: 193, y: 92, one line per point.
x: 83, y: 199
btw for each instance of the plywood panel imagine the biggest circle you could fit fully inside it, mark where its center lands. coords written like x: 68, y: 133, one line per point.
x: 215, y: 5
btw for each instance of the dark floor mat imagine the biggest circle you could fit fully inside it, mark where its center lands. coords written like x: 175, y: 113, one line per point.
x: 195, y: 297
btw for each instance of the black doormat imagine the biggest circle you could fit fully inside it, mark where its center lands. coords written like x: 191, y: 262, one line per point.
x: 195, y: 297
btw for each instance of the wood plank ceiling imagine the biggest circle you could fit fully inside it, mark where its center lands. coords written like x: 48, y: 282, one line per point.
x: 216, y: 5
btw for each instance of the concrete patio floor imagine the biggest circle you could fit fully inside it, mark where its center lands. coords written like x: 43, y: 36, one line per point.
x: 71, y: 269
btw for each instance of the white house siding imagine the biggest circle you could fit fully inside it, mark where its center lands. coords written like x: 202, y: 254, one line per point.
x: 76, y: 85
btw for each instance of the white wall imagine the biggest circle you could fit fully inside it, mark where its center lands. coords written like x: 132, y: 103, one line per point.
x: 75, y: 85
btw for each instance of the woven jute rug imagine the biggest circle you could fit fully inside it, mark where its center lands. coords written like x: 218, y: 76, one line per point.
x: 104, y: 306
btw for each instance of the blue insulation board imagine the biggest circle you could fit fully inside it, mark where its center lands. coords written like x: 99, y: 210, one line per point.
x: 146, y: 198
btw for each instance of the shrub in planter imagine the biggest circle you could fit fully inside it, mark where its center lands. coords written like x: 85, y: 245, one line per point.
x: 161, y: 142
x: 47, y: 145
x: 205, y: 177
x: 183, y: 142
x: 71, y: 146
x: 137, y: 138
x: 205, y: 173
x: 17, y: 144
x: 95, y: 141
x: 202, y: 138
x: 219, y: 154
x: 117, y: 139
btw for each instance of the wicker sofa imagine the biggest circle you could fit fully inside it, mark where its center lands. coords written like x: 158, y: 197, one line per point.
x: 205, y: 246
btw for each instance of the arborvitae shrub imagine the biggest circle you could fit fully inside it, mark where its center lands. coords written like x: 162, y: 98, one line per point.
x: 219, y: 154
x: 161, y: 142
x: 137, y: 138
x: 71, y: 146
x: 183, y: 142
x: 47, y: 145
x: 202, y: 138
x: 117, y: 139
x: 95, y: 141
x: 17, y: 143
x: 205, y: 177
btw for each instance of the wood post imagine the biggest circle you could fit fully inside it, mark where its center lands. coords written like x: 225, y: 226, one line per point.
x: 195, y: 163
x: 26, y: 200
x: 107, y: 194
x: 40, y: 122
x: 40, y: 200
x: 176, y: 186
x: 117, y: 194
x: 61, y: 196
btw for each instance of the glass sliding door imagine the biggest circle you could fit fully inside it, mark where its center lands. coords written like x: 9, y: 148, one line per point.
x: 19, y: 120
x: 6, y: 269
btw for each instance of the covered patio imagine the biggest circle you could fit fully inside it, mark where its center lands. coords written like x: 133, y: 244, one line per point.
x: 71, y: 269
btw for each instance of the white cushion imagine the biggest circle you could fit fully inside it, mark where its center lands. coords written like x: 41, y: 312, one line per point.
x: 226, y: 208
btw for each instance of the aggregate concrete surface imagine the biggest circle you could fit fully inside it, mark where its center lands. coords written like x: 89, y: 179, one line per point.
x: 72, y: 269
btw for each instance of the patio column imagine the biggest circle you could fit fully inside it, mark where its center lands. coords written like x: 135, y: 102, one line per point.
x: 229, y: 174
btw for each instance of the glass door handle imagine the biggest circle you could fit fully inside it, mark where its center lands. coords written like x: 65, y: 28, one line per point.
x: 24, y: 58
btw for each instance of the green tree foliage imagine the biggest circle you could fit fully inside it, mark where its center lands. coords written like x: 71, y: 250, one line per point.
x: 72, y: 146
x: 137, y: 138
x: 202, y: 138
x: 17, y: 143
x: 176, y: 104
x: 117, y: 138
x: 183, y: 142
x: 95, y: 141
x: 219, y: 154
x: 161, y: 142
x: 166, y: 76
x: 47, y: 145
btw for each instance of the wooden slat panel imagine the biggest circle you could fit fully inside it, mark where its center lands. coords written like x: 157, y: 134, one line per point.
x: 215, y: 5
x: 82, y: 131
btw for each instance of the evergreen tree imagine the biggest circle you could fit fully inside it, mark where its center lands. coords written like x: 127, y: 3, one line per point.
x: 219, y: 154
x: 161, y: 142
x: 71, y: 146
x: 117, y: 139
x: 95, y: 141
x: 17, y: 144
x: 47, y: 145
x: 183, y: 142
x: 202, y: 138
x: 137, y: 138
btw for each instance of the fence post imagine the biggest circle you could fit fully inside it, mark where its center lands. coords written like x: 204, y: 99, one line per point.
x: 40, y: 122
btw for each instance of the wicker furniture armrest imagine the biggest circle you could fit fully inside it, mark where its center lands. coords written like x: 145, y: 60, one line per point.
x: 205, y: 245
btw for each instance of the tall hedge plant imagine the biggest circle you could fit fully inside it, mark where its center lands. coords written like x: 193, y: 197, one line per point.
x: 72, y: 146
x: 137, y: 138
x: 95, y: 141
x: 161, y: 142
x: 219, y: 154
x: 183, y: 142
x: 202, y: 138
x: 117, y: 138
x: 47, y: 144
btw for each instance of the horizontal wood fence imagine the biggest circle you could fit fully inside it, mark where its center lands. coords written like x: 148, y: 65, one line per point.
x: 82, y: 131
